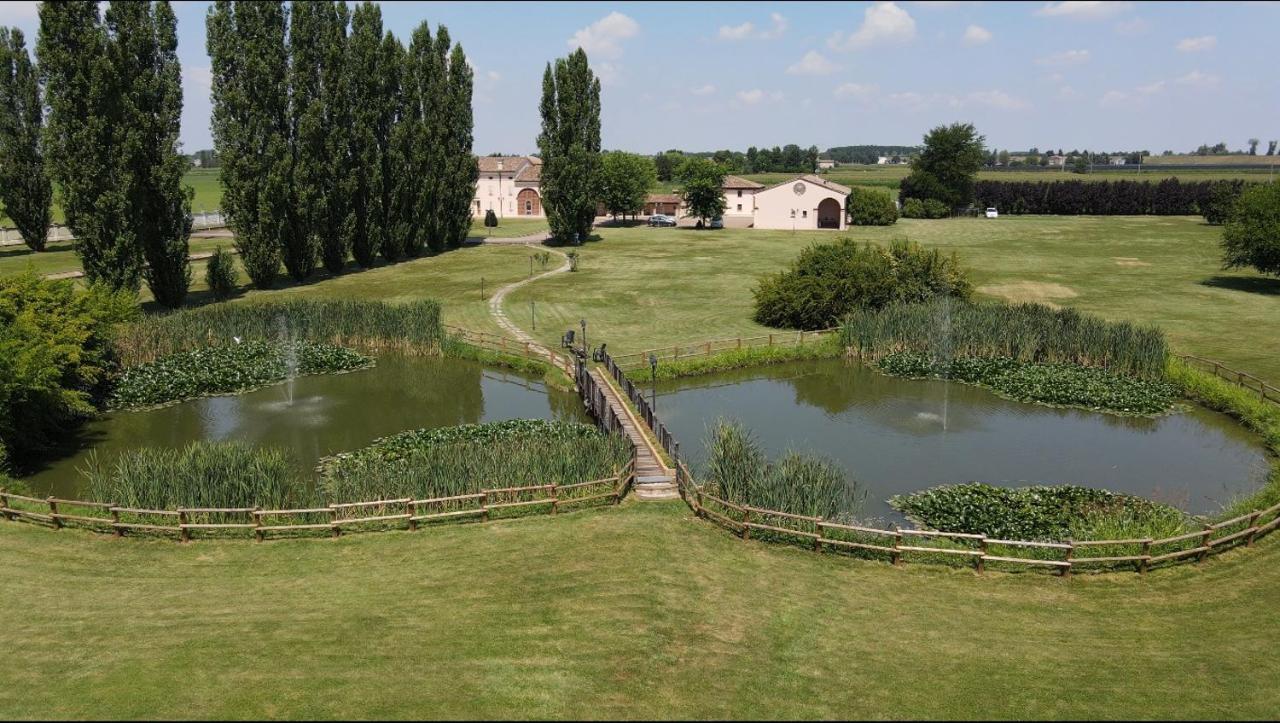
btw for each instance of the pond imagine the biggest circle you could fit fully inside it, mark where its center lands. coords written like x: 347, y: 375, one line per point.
x: 316, y: 416
x: 898, y: 435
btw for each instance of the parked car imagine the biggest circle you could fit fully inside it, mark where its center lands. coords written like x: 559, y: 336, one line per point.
x: 992, y: 213
x: 717, y: 222
x: 661, y: 219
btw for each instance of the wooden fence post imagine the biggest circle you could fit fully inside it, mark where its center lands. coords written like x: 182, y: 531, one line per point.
x: 739, y: 343
x: 771, y: 340
x: 257, y: 524
x: 1146, y: 553
x: 979, y: 564
x: 484, y: 506
x: 184, y: 535
x: 708, y: 348
x: 746, y: 518
x: 697, y: 512
x: 53, y: 514
x: 116, y: 529
x: 897, y: 542
x: 1253, y: 523
x: 1204, y: 543
x: 817, y: 541
x: 334, y: 530
x: 555, y: 501
x: 408, y: 507
x: 1066, y: 571
x: 4, y: 506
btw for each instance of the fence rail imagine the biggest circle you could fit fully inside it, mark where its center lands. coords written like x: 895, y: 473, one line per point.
x: 334, y: 518
x: 639, y: 360
x: 1245, y: 380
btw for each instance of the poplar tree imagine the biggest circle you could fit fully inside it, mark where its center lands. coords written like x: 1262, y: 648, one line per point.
x: 410, y: 148
x: 392, y: 59
x: 370, y: 106
x: 143, y: 53
x: 84, y: 141
x: 25, y: 190
x: 460, y: 165
x: 570, y: 145
x: 308, y: 132
x: 336, y: 95
x: 246, y: 44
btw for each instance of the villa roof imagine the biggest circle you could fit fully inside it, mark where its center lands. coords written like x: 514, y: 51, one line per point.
x: 738, y: 182
x: 531, y: 173
x: 510, y: 164
x: 662, y: 198
x: 815, y: 180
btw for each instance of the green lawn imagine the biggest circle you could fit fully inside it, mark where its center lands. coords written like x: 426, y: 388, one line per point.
x: 632, y: 612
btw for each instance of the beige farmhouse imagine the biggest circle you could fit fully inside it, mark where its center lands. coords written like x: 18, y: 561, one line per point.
x: 509, y: 186
x: 804, y: 202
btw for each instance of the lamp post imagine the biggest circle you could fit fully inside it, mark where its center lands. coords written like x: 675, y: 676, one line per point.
x: 653, y: 379
x: 585, y: 349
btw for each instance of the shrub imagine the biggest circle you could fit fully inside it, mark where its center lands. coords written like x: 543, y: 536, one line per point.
x: 926, y: 208
x: 828, y: 281
x: 869, y: 207
x: 410, y: 327
x: 490, y: 219
x: 1168, y: 197
x: 54, y: 357
x: 1045, y: 513
x: 1063, y: 385
x: 226, y: 369
x: 202, y: 474
x: 1222, y: 201
x: 458, y: 460
x: 220, y: 274
x: 738, y: 471
x: 1251, y: 236
x: 948, y: 329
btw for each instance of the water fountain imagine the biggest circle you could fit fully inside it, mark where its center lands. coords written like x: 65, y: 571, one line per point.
x: 290, y: 352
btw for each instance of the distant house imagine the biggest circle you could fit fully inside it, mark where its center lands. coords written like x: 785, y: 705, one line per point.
x: 890, y: 160
x: 738, y: 193
x: 804, y: 202
x: 509, y: 186
x: 1118, y: 160
x: 1057, y: 160
x: 826, y: 164
x: 665, y: 203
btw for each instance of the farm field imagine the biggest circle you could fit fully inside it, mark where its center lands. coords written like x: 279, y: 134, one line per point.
x: 632, y: 612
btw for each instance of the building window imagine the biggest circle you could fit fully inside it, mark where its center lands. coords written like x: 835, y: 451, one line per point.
x: 490, y: 190
x: 793, y: 213
x: 804, y: 214
x: 739, y: 196
x: 528, y: 207
x: 739, y: 207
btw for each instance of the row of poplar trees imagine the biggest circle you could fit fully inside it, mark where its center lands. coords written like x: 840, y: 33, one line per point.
x: 98, y: 115
x: 337, y: 141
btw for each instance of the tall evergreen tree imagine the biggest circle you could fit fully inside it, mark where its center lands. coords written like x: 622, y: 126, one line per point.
x: 337, y: 234
x: 366, y: 141
x: 308, y: 133
x: 461, y: 168
x: 404, y: 178
x: 25, y: 190
x: 143, y: 54
x: 570, y: 145
x: 84, y: 141
x: 246, y: 44
x: 427, y: 60
x: 391, y: 62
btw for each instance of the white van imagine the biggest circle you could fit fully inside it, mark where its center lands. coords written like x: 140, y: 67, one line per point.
x: 992, y: 213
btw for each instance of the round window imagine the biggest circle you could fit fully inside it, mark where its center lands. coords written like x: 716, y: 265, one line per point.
x: 798, y: 188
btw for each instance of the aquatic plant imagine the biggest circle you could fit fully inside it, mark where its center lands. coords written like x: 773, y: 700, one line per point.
x: 202, y: 474
x: 947, y: 329
x: 369, y: 325
x: 738, y: 470
x: 227, y: 369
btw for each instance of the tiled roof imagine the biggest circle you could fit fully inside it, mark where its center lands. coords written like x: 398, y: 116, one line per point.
x: 662, y: 198
x: 737, y: 182
x: 510, y: 164
x: 531, y: 173
x: 815, y: 180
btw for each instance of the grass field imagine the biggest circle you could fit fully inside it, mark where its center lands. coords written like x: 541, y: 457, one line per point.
x: 632, y: 612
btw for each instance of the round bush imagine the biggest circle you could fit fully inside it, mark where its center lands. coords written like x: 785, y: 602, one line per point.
x: 924, y: 208
x: 869, y: 207
x: 490, y: 219
x: 220, y: 274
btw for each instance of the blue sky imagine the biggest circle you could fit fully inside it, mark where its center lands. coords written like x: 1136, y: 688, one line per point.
x: 703, y: 76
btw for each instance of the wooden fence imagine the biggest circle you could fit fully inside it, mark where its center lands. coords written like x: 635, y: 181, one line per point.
x: 639, y: 360
x: 411, y: 513
x: 1265, y: 391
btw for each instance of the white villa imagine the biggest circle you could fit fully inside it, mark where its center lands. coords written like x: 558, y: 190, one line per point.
x: 510, y: 186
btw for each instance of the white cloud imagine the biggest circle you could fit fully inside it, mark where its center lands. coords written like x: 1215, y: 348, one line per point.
x: 813, y: 63
x: 199, y: 78
x: 882, y: 23
x: 1196, y: 79
x: 604, y: 37
x: 1113, y: 98
x: 493, y: 76
x: 1066, y: 92
x: 1135, y: 26
x: 1084, y: 9
x: 756, y: 96
x: 737, y: 32
x: 12, y: 13
x: 748, y: 29
x: 1152, y: 88
x: 997, y: 99
x: 1065, y: 58
x: 1193, y: 45
x: 857, y: 91
x: 707, y: 89
x: 976, y: 35
x: 607, y: 72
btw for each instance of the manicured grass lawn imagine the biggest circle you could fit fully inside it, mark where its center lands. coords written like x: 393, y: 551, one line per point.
x: 633, y: 612
x: 59, y: 257
x: 203, y: 182
x: 640, y: 288
x: 509, y: 227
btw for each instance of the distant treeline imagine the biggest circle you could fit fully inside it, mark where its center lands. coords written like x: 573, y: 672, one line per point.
x: 1169, y: 197
x: 868, y: 154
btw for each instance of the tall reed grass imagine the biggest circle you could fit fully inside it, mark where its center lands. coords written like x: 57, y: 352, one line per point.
x: 948, y: 329
x: 202, y: 474
x: 413, y: 327
x: 738, y: 470
x: 465, y: 459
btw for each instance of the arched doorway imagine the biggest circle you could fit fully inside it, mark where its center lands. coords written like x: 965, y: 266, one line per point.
x: 528, y: 203
x: 829, y: 213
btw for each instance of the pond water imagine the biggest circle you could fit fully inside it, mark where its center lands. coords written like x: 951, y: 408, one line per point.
x: 898, y: 435
x: 316, y: 416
